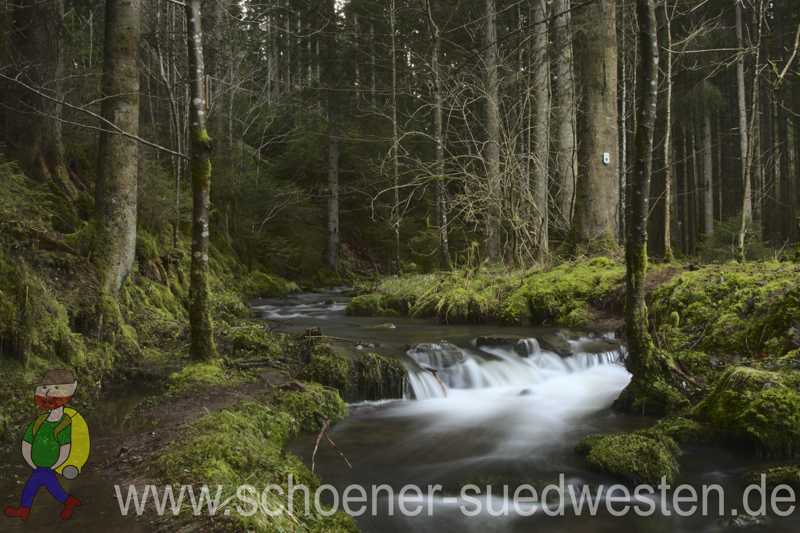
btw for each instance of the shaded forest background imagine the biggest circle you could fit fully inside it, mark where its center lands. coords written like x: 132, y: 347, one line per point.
x: 324, y: 116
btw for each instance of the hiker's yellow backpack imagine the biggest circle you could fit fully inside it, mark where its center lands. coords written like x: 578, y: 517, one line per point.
x: 80, y: 444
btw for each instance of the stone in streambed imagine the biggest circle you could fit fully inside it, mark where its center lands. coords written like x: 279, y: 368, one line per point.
x: 437, y: 355
x: 638, y: 457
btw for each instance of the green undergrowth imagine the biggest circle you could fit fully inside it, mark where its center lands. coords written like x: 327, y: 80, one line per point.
x: 245, y: 445
x: 748, y: 310
x: 50, y: 311
x: 262, y: 285
x: 196, y: 376
x: 570, y: 294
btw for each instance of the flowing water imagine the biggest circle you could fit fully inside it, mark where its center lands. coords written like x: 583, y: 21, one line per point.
x: 492, y: 406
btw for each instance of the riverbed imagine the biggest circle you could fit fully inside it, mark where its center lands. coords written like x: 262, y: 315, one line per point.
x: 499, y: 417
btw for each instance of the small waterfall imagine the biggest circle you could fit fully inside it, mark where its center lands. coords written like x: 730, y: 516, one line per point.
x: 438, y: 355
x: 514, y: 367
x: 528, y: 347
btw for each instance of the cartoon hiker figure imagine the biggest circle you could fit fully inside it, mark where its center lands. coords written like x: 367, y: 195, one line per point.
x: 57, y: 442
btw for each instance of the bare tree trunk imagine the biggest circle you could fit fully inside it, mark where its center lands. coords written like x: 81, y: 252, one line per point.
x: 597, y: 206
x: 642, y: 360
x: 118, y: 163
x: 438, y: 134
x: 541, y: 127
x: 693, y: 197
x: 333, y: 195
x: 396, y: 209
x: 777, y: 173
x: 201, y: 328
x: 564, y: 112
x: 747, y: 200
x: 492, y: 151
x: 668, y: 173
x: 623, y: 126
x: 720, y: 184
x: 33, y: 123
x: 373, y: 71
x: 333, y: 141
x: 686, y: 223
x: 791, y: 174
x: 708, y: 178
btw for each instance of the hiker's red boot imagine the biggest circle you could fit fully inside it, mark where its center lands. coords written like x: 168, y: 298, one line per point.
x: 69, y: 507
x: 17, y: 512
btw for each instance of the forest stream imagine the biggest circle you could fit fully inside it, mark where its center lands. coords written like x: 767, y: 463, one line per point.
x: 505, y: 409
x: 512, y: 414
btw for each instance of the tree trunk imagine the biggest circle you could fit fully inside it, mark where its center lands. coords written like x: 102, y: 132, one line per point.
x: 396, y: 209
x: 708, y: 178
x: 693, y: 197
x: 438, y: 135
x: 564, y: 112
x: 331, y: 103
x: 541, y: 127
x: 597, y: 189
x: 118, y: 162
x: 642, y: 360
x: 492, y: 150
x: 777, y: 174
x: 201, y: 328
x: 686, y: 223
x: 333, y: 195
x: 33, y: 123
x: 668, y: 173
x: 791, y: 174
x: 747, y: 200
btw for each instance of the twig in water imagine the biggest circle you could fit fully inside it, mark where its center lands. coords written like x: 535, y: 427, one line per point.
x: 322, y: 431
x: 326, y: 426
x: 436, y: 375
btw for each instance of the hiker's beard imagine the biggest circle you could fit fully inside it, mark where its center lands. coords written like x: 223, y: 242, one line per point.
x: 48, y: 403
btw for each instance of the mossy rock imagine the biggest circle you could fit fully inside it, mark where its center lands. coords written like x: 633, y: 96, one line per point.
x: 639, y: 457
x: 774, y: 476
x: 263, y: 285
x: 249, y: 339
x: 312, y: 405
x: 328, y: 368
x: 368, y: 305
x: 378, y: 377
x: 199, y: 375
x: 654, y: 396
x: 683, y: 430
x: 755, y: 409
x: 364, y: 376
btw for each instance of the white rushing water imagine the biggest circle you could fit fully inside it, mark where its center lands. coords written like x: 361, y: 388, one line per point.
x: 526, y: 401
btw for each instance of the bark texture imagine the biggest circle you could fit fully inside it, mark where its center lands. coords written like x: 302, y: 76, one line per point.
x: 541, y: 127
x: 563, y: 126
x: 597, y: 188
x: 201, y: 328
x: 492, y: 150
x: 32, y: 122
x: 642, y: 360
x: 117, y: 180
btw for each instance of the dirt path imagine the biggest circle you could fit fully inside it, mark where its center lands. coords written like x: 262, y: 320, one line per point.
x: 119, y: 456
